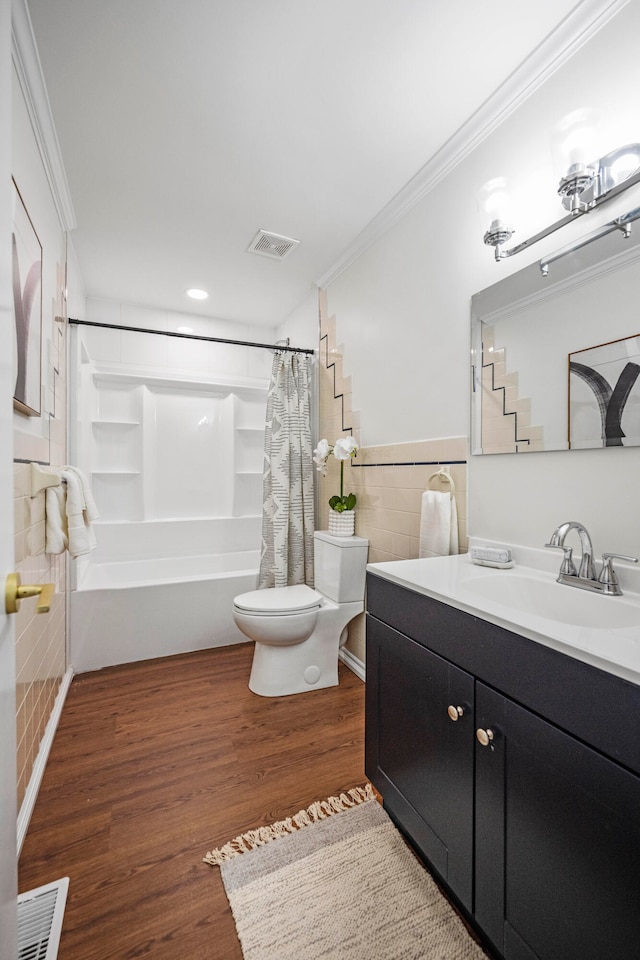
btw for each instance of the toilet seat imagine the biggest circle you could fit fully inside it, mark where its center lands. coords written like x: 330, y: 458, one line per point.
x: 278, y: 601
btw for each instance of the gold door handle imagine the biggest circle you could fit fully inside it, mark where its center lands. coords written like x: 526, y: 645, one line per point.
x: 455, y: 712
x: 15, y: 591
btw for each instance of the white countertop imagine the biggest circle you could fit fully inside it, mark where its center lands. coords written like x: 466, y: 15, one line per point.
x: 460, y: 583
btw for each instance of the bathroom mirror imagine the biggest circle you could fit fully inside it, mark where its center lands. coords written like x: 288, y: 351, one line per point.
x: 556, y: 358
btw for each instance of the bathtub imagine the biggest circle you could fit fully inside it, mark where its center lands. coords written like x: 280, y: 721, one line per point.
x: 145, y: 593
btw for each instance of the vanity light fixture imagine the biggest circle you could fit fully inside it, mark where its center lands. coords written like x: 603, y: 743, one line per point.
x: 623, y: 224
x: 583, y: 188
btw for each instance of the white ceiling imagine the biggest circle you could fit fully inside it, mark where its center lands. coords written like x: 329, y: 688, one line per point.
x: 187, y: 125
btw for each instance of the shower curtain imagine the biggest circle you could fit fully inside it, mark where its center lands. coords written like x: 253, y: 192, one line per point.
x: 287, y: 512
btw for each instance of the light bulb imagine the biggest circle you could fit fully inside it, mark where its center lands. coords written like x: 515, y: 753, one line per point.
x: 574, y: 139
x: 623, y: 167
x: 494, y: 202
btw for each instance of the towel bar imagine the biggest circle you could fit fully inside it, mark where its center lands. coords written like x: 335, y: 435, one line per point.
x: 41, y: 479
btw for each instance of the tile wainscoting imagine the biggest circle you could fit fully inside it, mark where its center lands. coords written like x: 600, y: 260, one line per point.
x: 388, y: 480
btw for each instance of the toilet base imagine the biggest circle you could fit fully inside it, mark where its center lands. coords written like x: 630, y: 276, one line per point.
x: 279, y: 671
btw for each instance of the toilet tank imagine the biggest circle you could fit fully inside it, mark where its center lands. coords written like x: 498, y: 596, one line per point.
x: 339, y: 564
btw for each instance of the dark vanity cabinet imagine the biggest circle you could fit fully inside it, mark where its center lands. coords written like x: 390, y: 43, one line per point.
x: 423, y: 759
x: 515, y: 772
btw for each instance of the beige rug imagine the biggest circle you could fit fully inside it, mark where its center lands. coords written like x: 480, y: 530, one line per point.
x: 336, y: 882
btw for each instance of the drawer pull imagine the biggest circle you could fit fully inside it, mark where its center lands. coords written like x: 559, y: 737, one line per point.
x: 455, y: 712
x: 484, y: 736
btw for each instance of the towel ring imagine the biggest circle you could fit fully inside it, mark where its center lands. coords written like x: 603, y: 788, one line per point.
x: 444, y: 477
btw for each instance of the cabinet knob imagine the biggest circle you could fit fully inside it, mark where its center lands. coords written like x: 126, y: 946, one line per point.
x: 484, y: 736
x: 455, y: 712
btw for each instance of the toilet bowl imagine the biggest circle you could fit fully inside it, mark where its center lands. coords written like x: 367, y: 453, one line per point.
x: 298, y: 630
x: 281, y: 615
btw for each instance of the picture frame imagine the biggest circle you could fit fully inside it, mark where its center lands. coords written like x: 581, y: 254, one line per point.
x: 27, y: 307
x: 604, y: 395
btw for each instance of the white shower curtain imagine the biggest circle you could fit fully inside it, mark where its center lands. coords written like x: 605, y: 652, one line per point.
x: 287, y: 511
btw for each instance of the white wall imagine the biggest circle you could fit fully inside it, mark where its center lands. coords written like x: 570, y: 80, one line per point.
x: 402, y: 309
x: 33, y: 433
x: 76, y: 296
x: 301, y: 326
x: 150, y: 350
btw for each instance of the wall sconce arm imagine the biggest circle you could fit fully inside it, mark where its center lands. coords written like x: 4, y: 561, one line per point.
x: 600, y: 189
x: 623, y: 224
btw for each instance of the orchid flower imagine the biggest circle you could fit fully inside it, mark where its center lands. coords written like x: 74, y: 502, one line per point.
x: 345, y: 448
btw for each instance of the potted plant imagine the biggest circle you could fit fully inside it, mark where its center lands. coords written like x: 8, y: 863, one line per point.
x: 342, y: 508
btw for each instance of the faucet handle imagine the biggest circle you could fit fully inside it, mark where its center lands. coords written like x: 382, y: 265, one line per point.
x: 608, y: 574
x: 567, y: 567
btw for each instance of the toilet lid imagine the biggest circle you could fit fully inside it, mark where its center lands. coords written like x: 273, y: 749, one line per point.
x: 279, y: 600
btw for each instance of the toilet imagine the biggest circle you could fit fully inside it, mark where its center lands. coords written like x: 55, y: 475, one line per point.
x: 299, y: 630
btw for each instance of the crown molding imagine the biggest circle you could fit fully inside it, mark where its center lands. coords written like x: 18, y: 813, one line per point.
x: 26, y: 60
x: 577, y: 28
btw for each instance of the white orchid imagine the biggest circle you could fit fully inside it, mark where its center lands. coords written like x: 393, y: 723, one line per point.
x: 343, y: 449
x: 321, y: 454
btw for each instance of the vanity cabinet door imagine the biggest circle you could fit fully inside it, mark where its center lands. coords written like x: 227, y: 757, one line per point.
x: 419, y: 758
x: 557, y: 841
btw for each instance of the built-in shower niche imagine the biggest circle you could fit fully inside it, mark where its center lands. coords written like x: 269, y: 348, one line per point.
x: 116, y: 447
x: 249, y: 420
x: 170, y: 448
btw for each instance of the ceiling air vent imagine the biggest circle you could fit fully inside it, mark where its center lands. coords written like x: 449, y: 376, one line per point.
x: 271, y: 245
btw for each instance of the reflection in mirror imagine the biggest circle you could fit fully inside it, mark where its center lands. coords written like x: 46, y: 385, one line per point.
x: 556, y: 359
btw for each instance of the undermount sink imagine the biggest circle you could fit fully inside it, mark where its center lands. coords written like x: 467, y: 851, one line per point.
x: 553, y: 601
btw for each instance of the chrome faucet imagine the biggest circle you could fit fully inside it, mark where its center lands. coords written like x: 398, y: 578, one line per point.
x: 557, y: 540
x: 585, y: 577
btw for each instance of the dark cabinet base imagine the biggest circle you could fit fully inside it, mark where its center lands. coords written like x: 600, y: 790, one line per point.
x: 537, y: 834
x: 419, y: 759
x: 557, y: 850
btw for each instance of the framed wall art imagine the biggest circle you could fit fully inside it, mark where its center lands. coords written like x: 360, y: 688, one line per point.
x: 604, y: 395
x: 27, y: 306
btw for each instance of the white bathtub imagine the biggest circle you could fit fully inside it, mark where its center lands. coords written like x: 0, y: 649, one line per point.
x: 130, y: 606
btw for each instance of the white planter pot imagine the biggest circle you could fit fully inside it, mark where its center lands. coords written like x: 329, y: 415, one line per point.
x: 342, y: 524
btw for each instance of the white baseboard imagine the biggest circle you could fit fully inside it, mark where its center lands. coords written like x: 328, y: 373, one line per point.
x: 354, y: 663
x: 31, y: 794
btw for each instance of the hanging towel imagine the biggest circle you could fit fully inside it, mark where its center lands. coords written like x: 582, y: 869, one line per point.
x: 79, y: 530
x: 68, y: 516
x: 90, y: 508
x: 438, y: 525
x: 56, y: 534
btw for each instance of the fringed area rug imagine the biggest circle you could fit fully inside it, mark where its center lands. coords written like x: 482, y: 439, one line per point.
x: 337, y: 881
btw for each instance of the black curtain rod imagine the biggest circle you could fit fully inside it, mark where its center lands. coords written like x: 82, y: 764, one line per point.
x: 189, y: 336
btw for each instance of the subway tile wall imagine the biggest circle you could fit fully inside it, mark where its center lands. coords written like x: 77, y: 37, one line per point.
x: 388, y: 479
x: 40, y: 638
x: 506, y: 417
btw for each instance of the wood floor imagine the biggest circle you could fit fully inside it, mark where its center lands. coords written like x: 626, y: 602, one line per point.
x: 154, y: 764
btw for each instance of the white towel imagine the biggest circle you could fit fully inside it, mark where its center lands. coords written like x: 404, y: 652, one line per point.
x: 56, y: 534
x: 79, y: 530
x: 438, y: 525
x: 90, y: 508
x: 69, y: 514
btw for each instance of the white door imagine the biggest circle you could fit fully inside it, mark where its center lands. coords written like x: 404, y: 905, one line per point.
x: 8, y: 813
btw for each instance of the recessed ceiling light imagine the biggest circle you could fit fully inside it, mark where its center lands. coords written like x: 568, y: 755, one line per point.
x: 185, y: 329
x: 196, y: 294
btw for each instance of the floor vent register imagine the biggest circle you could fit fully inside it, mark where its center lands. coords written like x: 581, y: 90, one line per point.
x: 40, y: 914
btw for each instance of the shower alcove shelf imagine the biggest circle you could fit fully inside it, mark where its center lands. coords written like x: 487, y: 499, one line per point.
x: 148, y: 440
